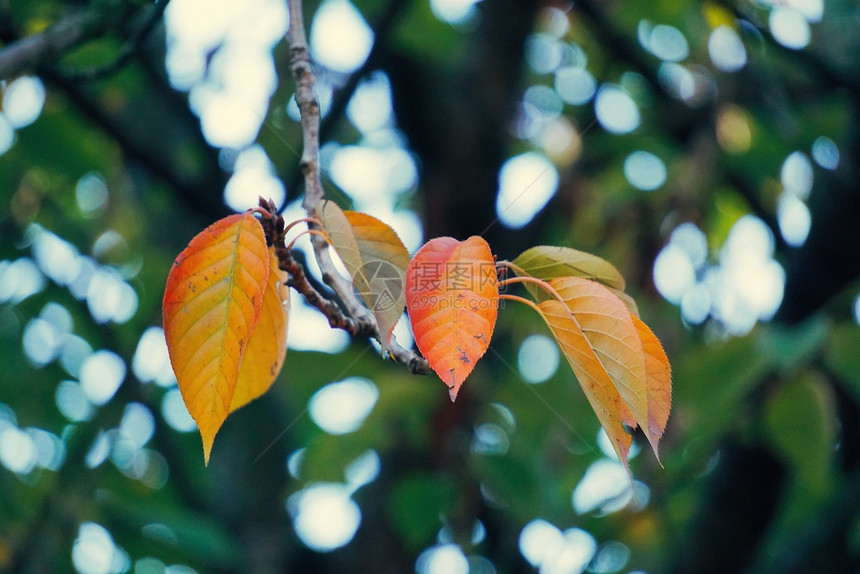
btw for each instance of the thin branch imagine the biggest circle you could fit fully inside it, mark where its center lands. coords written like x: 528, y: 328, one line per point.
x: 30, y: 52
x: 356, y: 325
x: 302, y: 71
x: 357, y: 319
x: 129, y: 49
x: 817, y: 65
x: 341, y: 97
x: 534, y: 281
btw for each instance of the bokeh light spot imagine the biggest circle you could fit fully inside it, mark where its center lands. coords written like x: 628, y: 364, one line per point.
x: 453, y: 11
x: 538, y: 358
x: 341, y: 407
x: 726, y: 49
x: 794, y: 219
x: 576, y: 86
x: 442, y: 559
x: 91, y: 193
x: 101, y: 375
x: 94, y: 551
x: 604, y: 487
x: 825, y: 153
x: 340, y: 39
x: 7, y: 134
x: 23, y: 100
x: 72, y: 402
x: 526, y: 183
x: 796, y: 175
x: 673, y: 273
x: 668, y: 43
x: 616, y: 111
x: 644, y: 170
x: 175, y: 413
x: 324, y: 516
x: 253, y: 177
x: 789, y: 27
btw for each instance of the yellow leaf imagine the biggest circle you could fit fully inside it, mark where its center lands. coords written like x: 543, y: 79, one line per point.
x: 595, y: 382
x: 597, y: 336
x: 211, y: 306
x: 375, y: 258
x: 628, y: 301
x: 658, y: 384
x: 267, y: 348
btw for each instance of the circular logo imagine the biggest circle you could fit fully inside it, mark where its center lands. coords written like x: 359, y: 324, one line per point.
x: 380, y: 285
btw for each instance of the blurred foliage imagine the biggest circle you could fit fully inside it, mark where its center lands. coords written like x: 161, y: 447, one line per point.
x: 788, y: 391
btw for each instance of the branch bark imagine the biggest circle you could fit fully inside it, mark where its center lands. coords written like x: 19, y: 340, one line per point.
x: 30, y: 52
x: 141, y: 30
x: 354, y: 318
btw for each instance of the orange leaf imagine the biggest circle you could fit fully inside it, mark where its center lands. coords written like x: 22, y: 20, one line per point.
x: 597, y: 336
x: 452, y: 296
x: 267, y: 348
x: 658, y: 383
x: 376, y: 260
x: 211, y: 306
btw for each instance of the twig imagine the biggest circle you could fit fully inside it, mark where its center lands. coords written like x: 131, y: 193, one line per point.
x: 821, y: 68
x: 28, y: 53
x: 343, y: 95
x: 129, y: 49
x: 357, y: 319
x: 301, y: 68
x: 363, y: 325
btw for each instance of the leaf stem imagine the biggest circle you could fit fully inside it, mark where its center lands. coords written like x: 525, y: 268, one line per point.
x: 505, y: 264
x: 309, y: 232
x: 263, y: 211
x: 533, y: 280
x: 307, y: 220
x: 522, y: 300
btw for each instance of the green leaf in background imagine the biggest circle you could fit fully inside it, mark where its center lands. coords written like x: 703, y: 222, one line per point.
x: 418, y: 505
x: 800, y: 419
x: 710, y: 387
x: 790, y: 346
x: 842, y: 355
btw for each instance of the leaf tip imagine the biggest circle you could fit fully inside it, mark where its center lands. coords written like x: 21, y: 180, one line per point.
x: 208, y: 437
x: 654, y: 440
x: 207, y: 449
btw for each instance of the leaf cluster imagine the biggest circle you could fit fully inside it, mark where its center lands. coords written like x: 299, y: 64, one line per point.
x: 226, y: 307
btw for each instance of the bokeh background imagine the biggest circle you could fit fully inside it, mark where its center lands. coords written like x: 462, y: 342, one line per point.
x: 708, y: 149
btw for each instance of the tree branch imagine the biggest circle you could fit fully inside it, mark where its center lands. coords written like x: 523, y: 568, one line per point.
x: 342, y: 96
x: 129, y: 48
x: 302, y: 71
x: 819, y: 66
x: 357, y: 320
x: 28, y: 53
x: 362, y: 324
